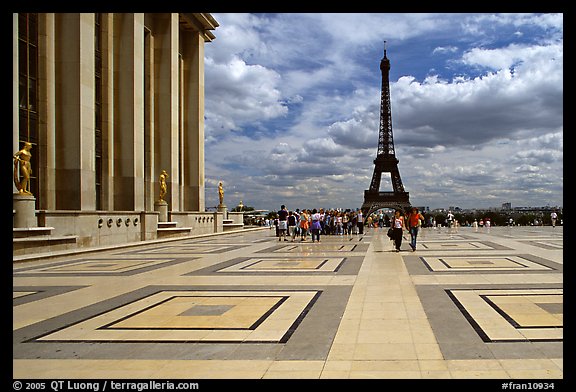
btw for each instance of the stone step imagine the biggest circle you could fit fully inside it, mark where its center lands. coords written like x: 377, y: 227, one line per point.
x: 45, y: 243
x: 26, y: 232
x: 165, y: 225
x: 164, y: 232
x: 232, y: 226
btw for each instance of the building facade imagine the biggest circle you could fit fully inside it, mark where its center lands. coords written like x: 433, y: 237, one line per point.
x: 108, y: 101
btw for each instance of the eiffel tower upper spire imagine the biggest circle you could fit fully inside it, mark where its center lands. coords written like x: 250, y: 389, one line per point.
x: 386, y: 161
x: 385, y: 139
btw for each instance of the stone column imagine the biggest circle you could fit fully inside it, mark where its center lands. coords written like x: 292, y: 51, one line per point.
x: 193, y: 89
x: 149, y: 145
x: 46, y: 148
x: 75, y: 166
x: 107, y: 41
x: 15, y: 89
x: 166, y: 138
x: 129, y: 112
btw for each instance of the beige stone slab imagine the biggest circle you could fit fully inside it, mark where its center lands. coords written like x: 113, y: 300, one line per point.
x: 384, y: 351
x: 334, y: 374
x: 472, y: 364
x: 385, y: 375
x: 383, y: 336
x: 528, y: 364
x: 337, y: 366
x: 433, y: 365
x: 470, y: 374
x: 302, y: 374
x: 428, y: 351
x: 296, y: 365
x: 385, y: 365
x: 342, y: 351
x: 535, y: 374
x: 435, y: 374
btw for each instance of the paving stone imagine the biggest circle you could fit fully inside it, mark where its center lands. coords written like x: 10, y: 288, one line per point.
x: 349, y: 307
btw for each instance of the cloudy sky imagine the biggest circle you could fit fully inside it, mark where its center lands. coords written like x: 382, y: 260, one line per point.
x: 293, y: 100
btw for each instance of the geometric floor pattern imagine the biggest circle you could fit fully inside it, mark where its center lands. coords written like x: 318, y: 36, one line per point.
x: 513, y: 315
x: 498, y: 302
x: 195, y: 316
x: 466, y: 304
x: 475, y: 263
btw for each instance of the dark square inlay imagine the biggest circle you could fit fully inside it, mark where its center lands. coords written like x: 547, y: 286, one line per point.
x: 553, y: 308
x: 207, y: 310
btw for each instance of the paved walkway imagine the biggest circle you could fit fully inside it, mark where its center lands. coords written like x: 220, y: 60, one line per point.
x: 465, y: 305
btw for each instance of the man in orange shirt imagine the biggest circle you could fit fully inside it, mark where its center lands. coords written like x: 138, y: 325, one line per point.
x: 414, y: 220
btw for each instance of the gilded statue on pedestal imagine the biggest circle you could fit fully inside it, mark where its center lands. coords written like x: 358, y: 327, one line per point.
x: 163, y: 187
x: 221, y: 193
x: 23, y: 169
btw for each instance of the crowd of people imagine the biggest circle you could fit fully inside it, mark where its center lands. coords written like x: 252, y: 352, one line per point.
x: 292, y: 225
x: 299, y: 224
x: 305, y: 223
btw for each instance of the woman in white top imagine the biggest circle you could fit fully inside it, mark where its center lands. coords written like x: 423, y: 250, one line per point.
x: 398, y: 223
x: 316, y: 227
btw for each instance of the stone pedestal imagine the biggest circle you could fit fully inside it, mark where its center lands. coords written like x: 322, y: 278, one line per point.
x: 25, y: 207
x: 224, y: 210
x: 162, y: 207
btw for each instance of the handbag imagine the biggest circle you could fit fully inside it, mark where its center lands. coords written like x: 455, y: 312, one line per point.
x: 390, y: 232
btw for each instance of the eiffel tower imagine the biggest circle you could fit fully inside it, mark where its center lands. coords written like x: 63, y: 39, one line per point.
x: 386, y: 161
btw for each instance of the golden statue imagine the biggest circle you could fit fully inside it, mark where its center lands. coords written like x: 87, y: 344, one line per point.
x: 221, y: 193
x: 23, y: 169
x: 163, y: 187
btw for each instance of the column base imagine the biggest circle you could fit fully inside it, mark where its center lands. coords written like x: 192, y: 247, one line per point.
x: 162, y: 207
x: 25, y: 207
x: 223, y: 209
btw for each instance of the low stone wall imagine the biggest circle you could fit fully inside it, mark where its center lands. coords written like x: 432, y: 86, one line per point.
x: 236, y: 217
x: 198, y: 222
x: 84, y: 229
x: 101, y: 228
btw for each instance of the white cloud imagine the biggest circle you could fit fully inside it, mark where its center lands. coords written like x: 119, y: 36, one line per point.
x: 529, y: 56
x: 240, y: 94
x: 445, y: 49
x: 294, y: 118
x: 501, y: 104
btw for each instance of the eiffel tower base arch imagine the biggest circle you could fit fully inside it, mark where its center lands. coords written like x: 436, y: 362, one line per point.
x: 374, y: 201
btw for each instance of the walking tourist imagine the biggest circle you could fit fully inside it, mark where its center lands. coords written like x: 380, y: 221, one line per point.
x: 292, y: 221
x: 415, y: 220
x: 304, y: 225
x: 553, y: 217
x: 353, y: 223
x: 316, y: 225
x: 398, y: 224
x: 282, y: 223
x: 449, y: 221
x: 360, y: 222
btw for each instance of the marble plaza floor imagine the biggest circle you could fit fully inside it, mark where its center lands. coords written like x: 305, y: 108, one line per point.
x: 465, y: 305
